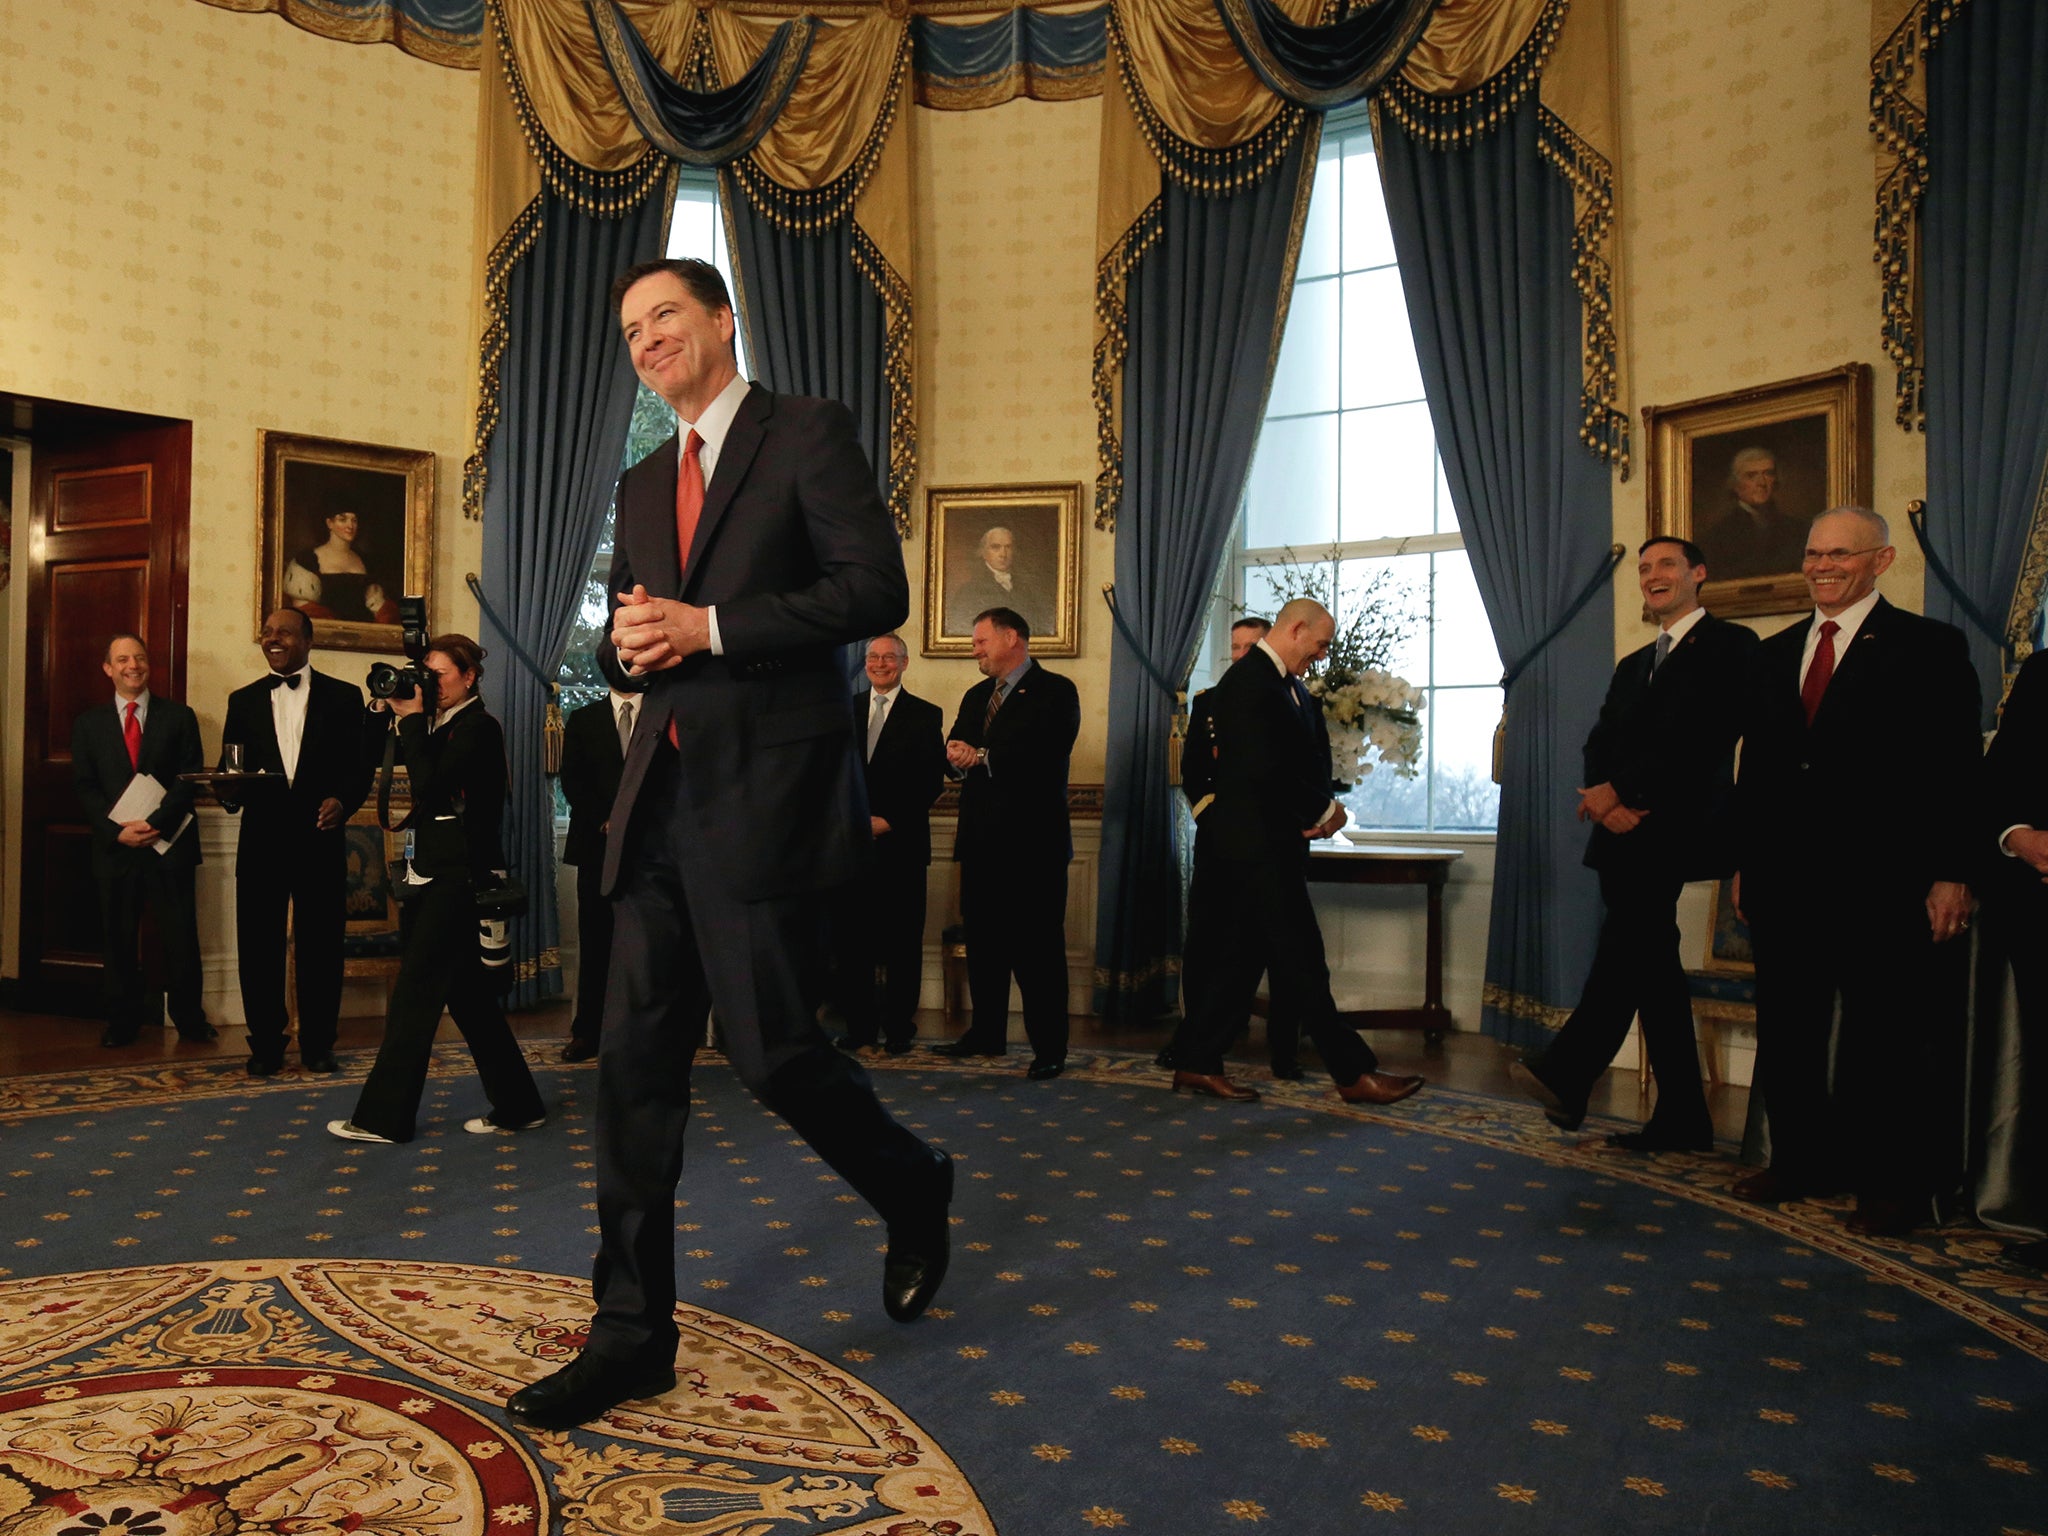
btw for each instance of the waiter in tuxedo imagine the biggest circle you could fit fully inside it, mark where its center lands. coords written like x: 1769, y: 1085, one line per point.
x: 1010, y: 747
x: 749, y: 550
x: 2014, y: 824
x: 593, y: 754
x: 147, y: 861
x: 881, y: 926
x: 308, y: 729
x: 1859, y: 754
x: 1660, y: 776
x: 1272, y: 798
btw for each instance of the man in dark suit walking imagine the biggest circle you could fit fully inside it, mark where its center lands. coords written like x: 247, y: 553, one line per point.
x: 2013, y: 830
x: 594, y: 747
x: 307, y: 729
x: 147, y: 860
x: 749, y: 551
x: 1859, y: 753
x: 881, y: 925
x: 1660, y: 771
x: 1009, y: 747
x: 1272, y: 789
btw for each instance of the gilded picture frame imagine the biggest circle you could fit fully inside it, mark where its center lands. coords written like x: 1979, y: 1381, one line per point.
x: 1743, y: 474
x: 346, y: 529
x: 978, y: 535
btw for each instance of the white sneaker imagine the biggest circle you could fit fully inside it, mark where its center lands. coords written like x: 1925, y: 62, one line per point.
x: 483, y: 1125
x: 348, y: 1130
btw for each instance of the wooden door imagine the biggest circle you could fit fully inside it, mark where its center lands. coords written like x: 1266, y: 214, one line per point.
x: 109, y: 529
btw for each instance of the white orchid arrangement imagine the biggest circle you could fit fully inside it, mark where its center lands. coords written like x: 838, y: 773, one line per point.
x: 1370, y: 712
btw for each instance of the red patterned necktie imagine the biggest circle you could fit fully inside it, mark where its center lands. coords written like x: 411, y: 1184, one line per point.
x: 689, y: 506
x: 131, y: 735
x: 1823, y: 668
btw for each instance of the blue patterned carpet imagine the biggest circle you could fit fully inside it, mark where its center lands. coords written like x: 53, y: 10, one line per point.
x: 1164, y: 1316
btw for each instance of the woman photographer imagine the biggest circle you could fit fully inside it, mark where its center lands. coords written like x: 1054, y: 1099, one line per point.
x: 455, y: 760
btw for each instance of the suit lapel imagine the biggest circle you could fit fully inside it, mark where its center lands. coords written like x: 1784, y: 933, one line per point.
x: 735, y: 454
x: 653, y: 497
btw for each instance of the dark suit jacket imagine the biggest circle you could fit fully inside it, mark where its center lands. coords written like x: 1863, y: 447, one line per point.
x: 1874, y: 800
x: 1198, y: 751
x: 332, y: 765
x: 100, y: 771
x: 458, y: 777
x: 591, y: 763
x: 2015, y: 784
x: 795, y: 550
x: 1666, y: 742
x: 1014, y: 807
x: 1272, y: 773
x: 904, y: 775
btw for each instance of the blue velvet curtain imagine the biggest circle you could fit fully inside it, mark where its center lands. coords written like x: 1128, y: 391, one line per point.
x: 1984, y: 300
x: 1483, y: 233
x: 447, y: 32
x: 1324, y: 66
x: 700, y: 128
x: 565, y: 397
x: 1022, y: 52
x: 1204, y: 306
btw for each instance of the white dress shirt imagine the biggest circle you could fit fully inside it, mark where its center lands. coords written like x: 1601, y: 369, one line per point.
x: 1849, y: 620
x: 288, y: 718
x: 711, y: 428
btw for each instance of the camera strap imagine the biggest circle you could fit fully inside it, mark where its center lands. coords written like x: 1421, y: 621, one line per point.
x: 384, y: 784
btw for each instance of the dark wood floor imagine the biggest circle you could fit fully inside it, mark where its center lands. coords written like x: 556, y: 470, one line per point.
x: 31, y: 1043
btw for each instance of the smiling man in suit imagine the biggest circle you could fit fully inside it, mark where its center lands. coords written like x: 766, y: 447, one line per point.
x: 750, y: 549
x: 593, y: 755
x: 1660, y: 771
x: 307, y: 729
x: 1010, y: 747
x: 903, y: 754
x: 1859, y: 757
x: 132, y: 863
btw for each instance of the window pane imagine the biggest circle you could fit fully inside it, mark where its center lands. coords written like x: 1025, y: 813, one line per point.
x: 1379, y: 354
x: 1319, y: 233
x: 1461, y: 723
x: 1263, y: 596
x: 1389, y: 473
x: 1395, y: 591
x: 1305, y: 378
x: 1384, y: 799
x: 1368, y: 241
x: 694, y: 229
x: 1465, y: 652
x: 1292, y: 497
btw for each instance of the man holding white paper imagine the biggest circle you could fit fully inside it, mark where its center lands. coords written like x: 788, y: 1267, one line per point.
x: 126, y: 758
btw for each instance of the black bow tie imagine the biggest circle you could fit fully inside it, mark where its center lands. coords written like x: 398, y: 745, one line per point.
x: 284, y: 682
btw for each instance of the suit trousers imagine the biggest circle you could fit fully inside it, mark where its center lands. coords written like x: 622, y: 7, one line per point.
x: 878, y: 926
x: 1016, y: 920
x: 142, y: 878
x: 1273, y: 929
x: 1211, y: 910
x: 1870, y: 1103
x: 685, y: 946
x: 438, y: 967
x: 1636, y: 970
x: 594, y: 923
x: 302, y: 875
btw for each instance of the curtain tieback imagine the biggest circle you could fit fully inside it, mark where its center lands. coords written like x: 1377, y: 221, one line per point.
x: 1598, y: 583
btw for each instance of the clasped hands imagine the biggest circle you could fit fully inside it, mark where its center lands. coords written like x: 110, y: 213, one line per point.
x: 652, y: 634
x: 1602, y: 803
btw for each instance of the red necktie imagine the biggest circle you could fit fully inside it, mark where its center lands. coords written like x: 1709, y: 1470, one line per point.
x: 1823, y: 668
x: 131, y: 735
x: 689, y: 506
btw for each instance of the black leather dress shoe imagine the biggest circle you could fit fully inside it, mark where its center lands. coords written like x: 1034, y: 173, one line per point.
x: 114, y: 1038
x: 199, y: 1034
x: 1566, y: 1117
x: 1647, y: 1140
x: 585, y: 1389
x: 321, y: 1062
x: 1041, y: 1071
x: 1288, y: 1074
x: 919, y: 1250
x: 853, y: 1043
x: 965, y: 1047
x: 901, y: 1047
x: 261, y: 1066
x: 579, y: 1049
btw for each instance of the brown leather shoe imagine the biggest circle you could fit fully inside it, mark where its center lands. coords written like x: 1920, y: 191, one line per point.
x: 1378, y: 1088
x: 1766, y: 1187
x: 1214, y: 1084
x: 1885, y: 1216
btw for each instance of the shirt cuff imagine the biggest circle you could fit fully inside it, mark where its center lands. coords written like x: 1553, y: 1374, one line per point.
x: 711, y: 622
x: 2018, y: 826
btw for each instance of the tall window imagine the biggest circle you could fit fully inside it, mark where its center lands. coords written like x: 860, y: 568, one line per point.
x: 1346, y: 479
x: 697, y: 229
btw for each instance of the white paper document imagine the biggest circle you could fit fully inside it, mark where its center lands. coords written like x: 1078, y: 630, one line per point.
x: 139, y: 802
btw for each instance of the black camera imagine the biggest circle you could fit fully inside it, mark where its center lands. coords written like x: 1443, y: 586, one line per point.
x: 391, y: 682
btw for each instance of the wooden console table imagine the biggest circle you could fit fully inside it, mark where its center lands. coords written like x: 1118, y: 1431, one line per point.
x: 1343, y: 863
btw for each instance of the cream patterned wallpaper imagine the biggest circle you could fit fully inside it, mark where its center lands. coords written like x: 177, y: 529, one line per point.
x: 1005, y: 287
x: 1747, y: 192
x: 223, y: 218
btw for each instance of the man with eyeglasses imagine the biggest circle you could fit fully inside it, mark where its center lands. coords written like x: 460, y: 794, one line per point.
x: 1859, y: 751
x: 1660, y: 771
